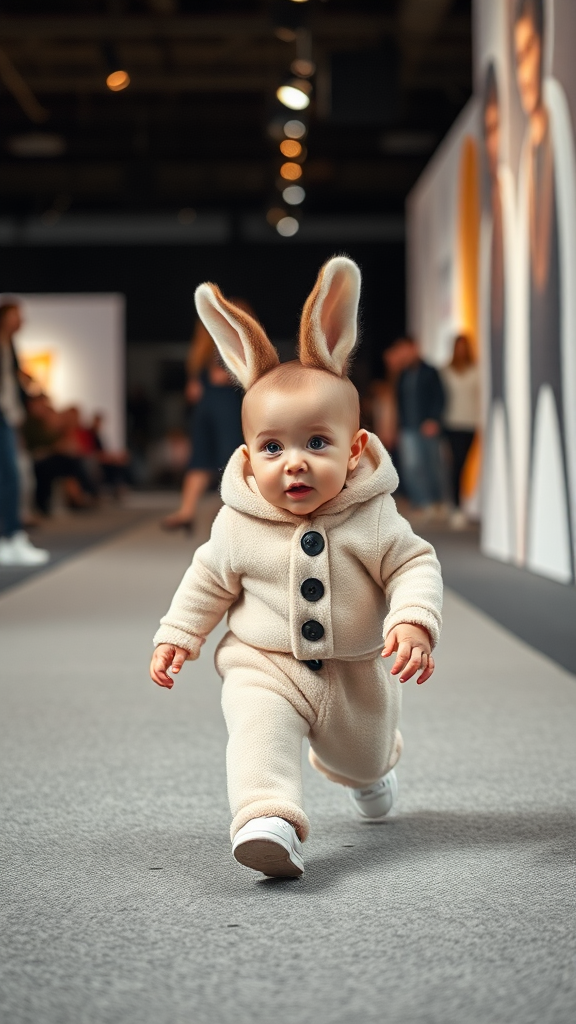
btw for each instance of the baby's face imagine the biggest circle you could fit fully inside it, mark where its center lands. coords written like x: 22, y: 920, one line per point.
x: 300, y: 446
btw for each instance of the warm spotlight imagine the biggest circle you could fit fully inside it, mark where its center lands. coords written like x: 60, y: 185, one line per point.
x: 118, y: 80
x: 275, y: 215
x: 303, y: 67
x: 295, y: 94
x: 287, y: 226
x: 291, y: 172
x: 290, y: 148
x: 294, y: 195
x: 294, y: 129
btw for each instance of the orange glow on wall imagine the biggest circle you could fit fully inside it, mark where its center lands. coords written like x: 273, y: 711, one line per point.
x: 469, y: 240
x: 468, y: 265
x: 39, y: 366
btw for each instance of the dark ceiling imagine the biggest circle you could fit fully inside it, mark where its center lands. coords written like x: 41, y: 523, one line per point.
x: 191, y: 129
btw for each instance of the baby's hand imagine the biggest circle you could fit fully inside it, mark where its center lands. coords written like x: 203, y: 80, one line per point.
x: 414, y: 651
x: 167, y: 656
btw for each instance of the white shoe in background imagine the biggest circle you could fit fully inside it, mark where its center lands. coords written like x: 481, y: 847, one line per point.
x: 269, y: 845
x: 18, y: 550
x: 458, y: 520
x: 374, y: 802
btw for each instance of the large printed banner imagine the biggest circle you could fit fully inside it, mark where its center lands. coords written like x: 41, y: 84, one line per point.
x: 492, y: 251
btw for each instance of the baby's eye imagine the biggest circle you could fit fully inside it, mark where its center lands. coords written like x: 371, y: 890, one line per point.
x: 316, y: 443
x: 272, y: 448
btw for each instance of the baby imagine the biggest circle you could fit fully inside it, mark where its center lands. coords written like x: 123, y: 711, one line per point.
x: 310, y: 557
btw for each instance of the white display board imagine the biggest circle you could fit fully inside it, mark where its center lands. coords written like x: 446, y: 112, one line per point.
x: 522, y: 130
x: 75, y: 345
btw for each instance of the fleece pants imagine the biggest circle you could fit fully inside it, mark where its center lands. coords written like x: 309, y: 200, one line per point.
x: 348, y: 710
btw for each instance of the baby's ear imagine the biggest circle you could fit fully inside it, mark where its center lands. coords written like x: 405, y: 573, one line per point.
x: 328, y: 328
x: 241, y: 341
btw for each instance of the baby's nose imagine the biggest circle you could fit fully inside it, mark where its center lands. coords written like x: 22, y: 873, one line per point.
x: 294, y: 460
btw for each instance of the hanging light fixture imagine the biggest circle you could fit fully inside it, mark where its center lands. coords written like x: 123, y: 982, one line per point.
x: 291, y: 149
x: 118, y: 80
x: 293, y: 195
x: 287, y: 226
x: 290, y: 171
x: 295, y: 93
x: 294, y: 129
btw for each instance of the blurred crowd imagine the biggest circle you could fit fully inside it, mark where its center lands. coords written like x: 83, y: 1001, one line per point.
x: 426, y: 418
x: 40, y: 447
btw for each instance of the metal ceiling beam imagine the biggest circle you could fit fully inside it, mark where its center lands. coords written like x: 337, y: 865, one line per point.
x: 21, y: 91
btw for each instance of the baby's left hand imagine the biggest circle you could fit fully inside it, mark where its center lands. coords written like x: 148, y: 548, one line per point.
x: 414, y: 651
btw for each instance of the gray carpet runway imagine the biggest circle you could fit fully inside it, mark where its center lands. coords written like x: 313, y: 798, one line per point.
x: 122, y: 904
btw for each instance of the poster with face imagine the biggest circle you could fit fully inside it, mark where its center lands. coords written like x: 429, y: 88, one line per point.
x: 525, y: 112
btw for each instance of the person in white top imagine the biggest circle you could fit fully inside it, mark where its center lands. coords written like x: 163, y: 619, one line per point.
x: 461, y: 415
x: 15, y: 546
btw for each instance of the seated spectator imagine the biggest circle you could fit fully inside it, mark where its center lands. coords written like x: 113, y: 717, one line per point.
x: 114, y: 466
x: 49, y: 437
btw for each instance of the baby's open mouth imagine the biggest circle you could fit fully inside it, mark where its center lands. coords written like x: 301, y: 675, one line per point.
x: 298, y: 490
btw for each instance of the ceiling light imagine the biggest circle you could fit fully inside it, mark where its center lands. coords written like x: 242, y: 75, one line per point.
x: 118, y: 80
x: 303, y: 66
x: 299, y: 1
x: 294, y: 129
x: 290, y: 148
x: 287, y: 35
x: 291, y: 171
x: 274, y: 215
x: 295, y: 94
x: 287, y: 226
x: 294, y: 195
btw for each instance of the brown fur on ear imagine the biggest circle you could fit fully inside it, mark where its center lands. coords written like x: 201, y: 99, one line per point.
x: 328, y: 328
x: 241, y: 340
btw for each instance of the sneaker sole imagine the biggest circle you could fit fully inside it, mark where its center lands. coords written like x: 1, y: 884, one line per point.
x: 270, y: 857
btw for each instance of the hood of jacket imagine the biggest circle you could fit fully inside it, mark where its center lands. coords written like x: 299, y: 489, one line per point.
x: 373, y: 475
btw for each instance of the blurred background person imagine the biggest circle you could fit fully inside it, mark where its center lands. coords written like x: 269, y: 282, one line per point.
x: 215, y: 425
x: 114, y: 465
x: 383, y: 403
x: 15, y: 545
x: 52, y: 440
x: 461, y: 417
x: 420, y: 407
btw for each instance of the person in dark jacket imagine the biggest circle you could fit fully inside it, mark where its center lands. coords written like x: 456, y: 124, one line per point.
x: 420, y: 405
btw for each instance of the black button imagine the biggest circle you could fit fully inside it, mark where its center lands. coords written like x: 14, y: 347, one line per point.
x: 312, y: 543
x: 314, y: 666
x: 312, y: 590
x: 312, y: 630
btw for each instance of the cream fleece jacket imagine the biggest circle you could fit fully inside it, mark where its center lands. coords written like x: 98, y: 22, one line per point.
x: 373, y: 569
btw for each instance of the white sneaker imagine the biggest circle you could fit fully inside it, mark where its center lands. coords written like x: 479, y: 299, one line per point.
x: 18, y: 550
x: 458, y: 520
x: 374, y: 802
x: 269, y: 845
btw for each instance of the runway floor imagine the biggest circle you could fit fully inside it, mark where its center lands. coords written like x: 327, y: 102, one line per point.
x: 120, y: 899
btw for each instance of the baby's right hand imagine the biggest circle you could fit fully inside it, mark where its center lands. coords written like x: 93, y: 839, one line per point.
x: 167, y: 656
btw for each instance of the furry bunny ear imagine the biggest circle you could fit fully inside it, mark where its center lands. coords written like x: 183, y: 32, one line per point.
x: 241, y: 341
x: 328, y: 328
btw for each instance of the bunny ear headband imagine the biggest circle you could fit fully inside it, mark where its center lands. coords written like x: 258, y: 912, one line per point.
x: 327, y: 331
